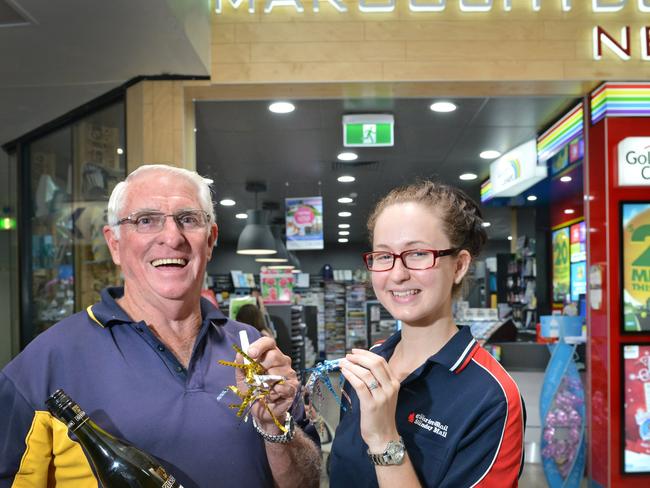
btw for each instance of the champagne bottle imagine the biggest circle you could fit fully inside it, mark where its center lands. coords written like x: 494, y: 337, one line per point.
x: 117, y: 464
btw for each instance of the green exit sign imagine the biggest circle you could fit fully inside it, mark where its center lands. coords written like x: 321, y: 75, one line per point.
x: 368, y: 130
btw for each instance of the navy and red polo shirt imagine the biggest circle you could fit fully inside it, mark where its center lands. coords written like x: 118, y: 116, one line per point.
x: 460, y: 415
x: 133, y: 387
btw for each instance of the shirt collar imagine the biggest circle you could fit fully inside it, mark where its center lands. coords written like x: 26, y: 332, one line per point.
x: 107, y: 312
x: 453, y: 355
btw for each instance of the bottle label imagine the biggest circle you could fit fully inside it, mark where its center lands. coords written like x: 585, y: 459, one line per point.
x: 169, y: 481
x: 78, y: 420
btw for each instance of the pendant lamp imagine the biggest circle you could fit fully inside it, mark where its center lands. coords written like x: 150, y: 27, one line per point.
x: 282, y: 255
x: 256, y: 238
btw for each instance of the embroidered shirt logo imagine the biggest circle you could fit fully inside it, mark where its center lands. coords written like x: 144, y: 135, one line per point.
x: 428, y: 424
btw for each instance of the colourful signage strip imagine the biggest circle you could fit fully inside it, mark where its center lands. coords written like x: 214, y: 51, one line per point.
x: 614, y: 99
x: 486, y: 191
x: 560, y: 134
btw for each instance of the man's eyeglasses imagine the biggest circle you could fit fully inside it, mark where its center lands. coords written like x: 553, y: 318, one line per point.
x: 416, y: 259
x: 153, y: 222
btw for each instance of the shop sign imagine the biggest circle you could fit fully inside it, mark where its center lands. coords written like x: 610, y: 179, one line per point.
x: 516, y: 171
x: 634, y: 161
x: 561, y: 264
x: 374, y: 6
x: 636, y: 266
x: 304, y: 218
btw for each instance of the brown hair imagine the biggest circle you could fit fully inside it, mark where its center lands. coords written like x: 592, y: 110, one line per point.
x: 250, y: 314
x: 460, y: 215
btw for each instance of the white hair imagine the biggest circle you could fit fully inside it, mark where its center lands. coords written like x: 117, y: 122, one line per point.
x: 118, y: 196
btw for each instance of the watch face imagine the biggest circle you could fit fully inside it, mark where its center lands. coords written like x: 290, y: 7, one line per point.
x: 395, y: 451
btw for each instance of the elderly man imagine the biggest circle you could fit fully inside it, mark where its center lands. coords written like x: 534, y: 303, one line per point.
x: 143, y: 362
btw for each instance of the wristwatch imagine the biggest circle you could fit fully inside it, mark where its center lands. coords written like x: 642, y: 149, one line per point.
x: 392, y: 455
x: 285, y: 438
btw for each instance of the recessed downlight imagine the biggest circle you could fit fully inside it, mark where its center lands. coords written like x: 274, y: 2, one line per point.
x: 347, y: 156
x: 227, y: 202
x: 345, y: 200
x: 120, y: 150
x: 344, y: 232
x: 343, y: 240
x: 345, y: 214
x: 569, y: 211
x: 531, y: 198
x: 486, y: 224
x: 344, y: 226
x: 241, y: 216
x: 346, y: 179
x: 443, y: 107
x: 468, y: 176
x: 489, y: 154
x: 565, y: 179
x: 509, y: 238
x: 282, y: 107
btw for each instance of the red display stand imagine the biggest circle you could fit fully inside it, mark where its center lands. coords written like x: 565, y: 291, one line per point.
x: 602, y: 207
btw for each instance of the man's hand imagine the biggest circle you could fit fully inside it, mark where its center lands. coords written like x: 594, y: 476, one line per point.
x: 265, y: 351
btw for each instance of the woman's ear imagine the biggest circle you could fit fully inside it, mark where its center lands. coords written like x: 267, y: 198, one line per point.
x: 463, y: 261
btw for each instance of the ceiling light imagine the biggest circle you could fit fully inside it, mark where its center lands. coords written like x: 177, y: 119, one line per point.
x: 486, y: 224
x: 282, y: 107
x: 343, y: 240
x: 346, y: 179
x: 287, y: 267
x: 347, y: 156
x: 256, y: 237
x: 344, y: 232
x: 270, y: 260
x: 241, y: 216
x: 227, y: 202
x: 569, y: 211
x: 345, y: 214
x: 531, y: 198
x: 565, y: 179
x: 443, y: 107
x: 509, y: 238
x: 120, y: 150
x: 345, y: 200
x: 344, y: 226
x: 489, y: 154
x: 468, y: 176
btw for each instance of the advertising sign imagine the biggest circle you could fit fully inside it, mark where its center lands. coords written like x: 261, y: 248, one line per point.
x: 304, y: 218
x: 516, y: 171
x: 634, y: 161
x: 578, y: 242
x: 277, y: 286
x: 578, y: 280
x: 636, y: 408
x: 635, y: 244
x: 561, y: 264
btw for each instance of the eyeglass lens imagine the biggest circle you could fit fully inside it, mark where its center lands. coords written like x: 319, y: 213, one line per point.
x: 154, y: 222
x: 415, y: 259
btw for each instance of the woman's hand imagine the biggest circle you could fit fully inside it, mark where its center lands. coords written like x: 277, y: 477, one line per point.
x: 377, y: 389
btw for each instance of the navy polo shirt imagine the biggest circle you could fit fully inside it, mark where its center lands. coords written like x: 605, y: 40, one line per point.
x: 460, y: 416
x: 133, y: 387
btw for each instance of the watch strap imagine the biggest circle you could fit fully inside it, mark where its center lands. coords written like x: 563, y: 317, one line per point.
x: 285, y: 437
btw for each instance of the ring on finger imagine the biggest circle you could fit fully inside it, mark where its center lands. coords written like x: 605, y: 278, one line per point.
x: 373, y: 384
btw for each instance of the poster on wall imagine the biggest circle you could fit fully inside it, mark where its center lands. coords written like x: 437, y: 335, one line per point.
x: 635, y: 247
x: 578, y: 242
x: 636, y: 408
x: 561, y: 264
x: 277, y: 286
x: 578, y: 280
x: 304, y: 218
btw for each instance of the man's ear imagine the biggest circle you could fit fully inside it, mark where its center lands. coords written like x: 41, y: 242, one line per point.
x: 212, y: 239
x: 463, y: 261
x: 113, y: 243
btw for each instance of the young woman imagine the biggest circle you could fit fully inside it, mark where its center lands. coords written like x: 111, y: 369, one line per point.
x: 429, y: 406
